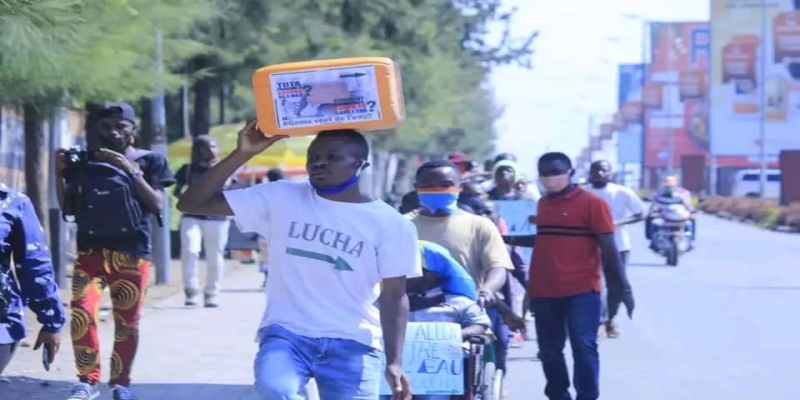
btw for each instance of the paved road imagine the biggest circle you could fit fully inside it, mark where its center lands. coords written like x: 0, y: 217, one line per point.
x: 712, y: 328
x: 722, y: 325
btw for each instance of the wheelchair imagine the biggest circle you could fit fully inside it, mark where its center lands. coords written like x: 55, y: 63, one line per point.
x: 482, y: 381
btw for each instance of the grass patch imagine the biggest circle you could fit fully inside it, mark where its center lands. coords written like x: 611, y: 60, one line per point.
x: 771, y: 219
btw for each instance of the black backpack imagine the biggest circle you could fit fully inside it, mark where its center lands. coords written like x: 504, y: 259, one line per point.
x: 106, y: 205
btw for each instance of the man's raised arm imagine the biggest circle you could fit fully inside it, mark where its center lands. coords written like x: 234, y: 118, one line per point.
x: 204, y: 196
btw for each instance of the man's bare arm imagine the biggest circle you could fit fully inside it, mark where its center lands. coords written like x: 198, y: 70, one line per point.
x: 204, y: 196
x: 495, y: 279
x: 630, y: 220
x: 150, y: 196
x: 473, y: 330
x: 613, y: 269
x: 394, y: 317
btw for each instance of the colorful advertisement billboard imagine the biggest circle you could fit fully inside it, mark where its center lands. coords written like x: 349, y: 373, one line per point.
x: 631, y: 111
x: 755, y: 77
x: 674, y: 95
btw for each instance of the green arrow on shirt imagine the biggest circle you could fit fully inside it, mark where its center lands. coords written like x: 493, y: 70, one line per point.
x: 338, y: 263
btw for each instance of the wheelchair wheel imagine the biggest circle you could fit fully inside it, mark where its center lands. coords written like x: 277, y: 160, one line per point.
x: 492, y: 383
x: 496, y: 385
x: 486, y: 384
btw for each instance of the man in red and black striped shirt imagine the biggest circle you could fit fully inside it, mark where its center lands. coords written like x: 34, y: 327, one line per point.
x: 574, y: 236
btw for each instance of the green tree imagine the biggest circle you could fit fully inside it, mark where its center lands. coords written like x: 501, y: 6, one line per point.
x: 87, y: 50
x: 246, y: 35
x: 445, y: 57
x: 441, y: 46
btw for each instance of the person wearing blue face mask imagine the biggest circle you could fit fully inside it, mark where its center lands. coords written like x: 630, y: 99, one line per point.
x: 335, y: 253
x: 410, y: 202
x: 473, y: 240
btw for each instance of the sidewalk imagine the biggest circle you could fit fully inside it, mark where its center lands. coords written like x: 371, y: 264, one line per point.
x: 181, y: 350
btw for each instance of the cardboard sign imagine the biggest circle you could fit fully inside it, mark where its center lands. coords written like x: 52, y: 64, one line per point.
x: 516, y: 213
x: 433, y: 359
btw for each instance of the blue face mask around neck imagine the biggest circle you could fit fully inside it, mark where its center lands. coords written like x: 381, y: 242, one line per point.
x: 340, y: 188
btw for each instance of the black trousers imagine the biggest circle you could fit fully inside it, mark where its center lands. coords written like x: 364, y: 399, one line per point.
x: 623, y: 256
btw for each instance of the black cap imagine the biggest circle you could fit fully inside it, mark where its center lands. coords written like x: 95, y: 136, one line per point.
x: 117, y: 110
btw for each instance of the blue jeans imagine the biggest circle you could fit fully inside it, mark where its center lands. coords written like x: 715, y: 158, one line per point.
x: 576, y: 317
x: 503, y: 334
x: 344, y: 369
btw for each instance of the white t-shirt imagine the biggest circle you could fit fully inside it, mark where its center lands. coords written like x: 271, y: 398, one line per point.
x: 326, y: 258
x: 623, y: 202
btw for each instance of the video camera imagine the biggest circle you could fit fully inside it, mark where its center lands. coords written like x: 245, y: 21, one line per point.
x: 75, y: 157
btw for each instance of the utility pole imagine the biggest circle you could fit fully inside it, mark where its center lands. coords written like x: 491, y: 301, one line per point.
x: 185, y: 104
x: 56, y: 224
x: 762, y: 80
x: 670, y: 88
x: 161, y: 234
x: 643, y: 180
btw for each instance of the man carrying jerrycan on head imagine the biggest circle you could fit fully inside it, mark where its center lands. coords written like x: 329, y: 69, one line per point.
x: 334, y: 253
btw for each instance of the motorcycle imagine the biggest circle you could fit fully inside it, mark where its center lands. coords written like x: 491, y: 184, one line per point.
x: 671, y: 235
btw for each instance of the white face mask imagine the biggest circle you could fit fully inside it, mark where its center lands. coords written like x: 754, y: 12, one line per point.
x: 554, y: 184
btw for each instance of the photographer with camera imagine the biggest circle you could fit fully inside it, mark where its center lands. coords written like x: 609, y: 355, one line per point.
x: 112, y: 191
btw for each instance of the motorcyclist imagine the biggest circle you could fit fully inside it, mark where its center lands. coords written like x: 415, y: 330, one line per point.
x: 672, y: 203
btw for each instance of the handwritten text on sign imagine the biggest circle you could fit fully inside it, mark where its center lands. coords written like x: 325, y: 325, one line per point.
x: 516, y: 213
x: 433, y: 359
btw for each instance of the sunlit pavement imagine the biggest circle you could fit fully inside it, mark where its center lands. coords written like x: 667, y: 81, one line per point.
x: 722, y: 325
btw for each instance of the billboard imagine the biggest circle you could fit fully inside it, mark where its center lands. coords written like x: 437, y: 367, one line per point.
x: 629, y: 131
x: 755, y: 77
x: 674, y: 94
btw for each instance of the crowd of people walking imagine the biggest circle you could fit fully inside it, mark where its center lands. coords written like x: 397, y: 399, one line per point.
x: 447, y: 255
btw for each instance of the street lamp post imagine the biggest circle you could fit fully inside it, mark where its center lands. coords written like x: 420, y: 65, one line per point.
x: 644, y: 180
x: 668, y: 107
x: 161, y: 233
x: 762, y: 80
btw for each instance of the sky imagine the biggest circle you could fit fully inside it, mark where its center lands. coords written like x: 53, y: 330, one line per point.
x: 574, y: 75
